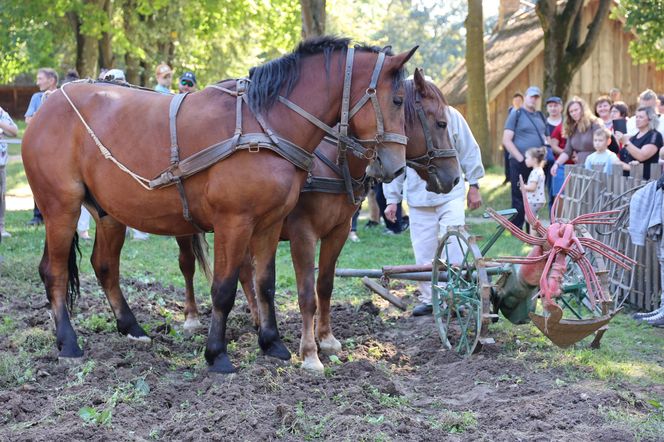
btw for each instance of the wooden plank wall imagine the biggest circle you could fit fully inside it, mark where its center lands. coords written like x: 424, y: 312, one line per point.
x: 591, y: 191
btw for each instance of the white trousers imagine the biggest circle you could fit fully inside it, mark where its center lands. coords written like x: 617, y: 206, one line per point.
x: 427, y: 226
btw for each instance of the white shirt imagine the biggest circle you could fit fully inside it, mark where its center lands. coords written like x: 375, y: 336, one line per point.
x: 470, y: 166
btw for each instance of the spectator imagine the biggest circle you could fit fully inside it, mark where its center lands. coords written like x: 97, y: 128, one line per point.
x: 353, y: 226
x: 645, y: 144
x: 115, y: 75
x: 602, y: 155
x: 579, y: 126
x: 615, y: 95
x: 517, y: 103
x: 187, y: 82
x: 71, y: 75
x: 524, y: 128
x: 432, y: 214
x: 7, y: 129
x: 554, y: 109
x: 660, y: 105
x: 47, y: 81
x: 396, y: 225
x: 558, y: 142
x: 164, y: 76
x: 603, y: 110
x: 534, y: 187
x: 619, y: 110
x: 374, y: 211
x: 647, y: 98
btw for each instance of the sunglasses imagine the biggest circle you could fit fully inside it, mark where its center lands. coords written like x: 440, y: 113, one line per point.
x: 187, y: 83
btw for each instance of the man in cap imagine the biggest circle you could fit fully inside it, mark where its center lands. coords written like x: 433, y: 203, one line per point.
x: 187, y: 82
x: 524, y: 128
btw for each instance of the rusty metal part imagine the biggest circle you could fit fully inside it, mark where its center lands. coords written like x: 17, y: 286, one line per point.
x: 566, y: 332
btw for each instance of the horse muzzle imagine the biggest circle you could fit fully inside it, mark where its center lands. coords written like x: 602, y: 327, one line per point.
x: 390, y: 162
x: 438, y: 184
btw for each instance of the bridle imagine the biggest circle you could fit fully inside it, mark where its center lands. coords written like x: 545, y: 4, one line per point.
x: 425, y: 162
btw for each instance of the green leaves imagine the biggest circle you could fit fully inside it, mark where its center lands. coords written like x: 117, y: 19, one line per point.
x: 644, y: 18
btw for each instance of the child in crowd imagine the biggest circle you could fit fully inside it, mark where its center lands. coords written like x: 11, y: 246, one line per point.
x: 535, y: 158
x: 602, y: 155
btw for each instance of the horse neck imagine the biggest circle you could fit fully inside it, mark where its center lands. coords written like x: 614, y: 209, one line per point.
x: 316, y: 92
x: 356, y: 166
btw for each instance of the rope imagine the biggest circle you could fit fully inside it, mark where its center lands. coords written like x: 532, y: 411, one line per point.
x: 144, y: 182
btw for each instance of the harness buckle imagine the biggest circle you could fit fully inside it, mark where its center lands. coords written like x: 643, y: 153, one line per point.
x: 370, y: 91
x: 254, y: 147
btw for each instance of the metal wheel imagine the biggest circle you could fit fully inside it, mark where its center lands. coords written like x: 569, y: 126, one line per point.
x: 460, y: 292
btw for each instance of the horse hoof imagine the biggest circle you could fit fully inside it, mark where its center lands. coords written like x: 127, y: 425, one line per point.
x: 192, y: 324
x: 278, y: 350
x: 330, y: 345
x: 222, y: 365
x: 69, y: 361
x: 313, y: 364
x: 144, y: 339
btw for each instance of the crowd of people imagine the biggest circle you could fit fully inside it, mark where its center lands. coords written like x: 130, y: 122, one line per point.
x: 537, y: 148
x: 48, y: 81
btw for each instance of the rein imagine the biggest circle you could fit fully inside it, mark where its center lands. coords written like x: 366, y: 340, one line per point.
x: 424, y: 162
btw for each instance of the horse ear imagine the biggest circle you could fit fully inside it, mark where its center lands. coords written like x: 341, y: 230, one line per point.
x: 401, y: 59
x: 420, y: 82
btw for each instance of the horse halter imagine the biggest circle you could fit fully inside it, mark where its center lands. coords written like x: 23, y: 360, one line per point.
x: 344, y: 140
x: 424, y: 162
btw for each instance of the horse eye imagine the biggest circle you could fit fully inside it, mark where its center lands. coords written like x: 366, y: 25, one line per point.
x: 441, y: 124
x: 398, y: 101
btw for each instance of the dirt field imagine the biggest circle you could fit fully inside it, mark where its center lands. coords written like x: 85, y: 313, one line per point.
x: 392, y: 381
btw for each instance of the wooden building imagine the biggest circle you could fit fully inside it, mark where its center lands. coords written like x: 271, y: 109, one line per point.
x: 514, y: 61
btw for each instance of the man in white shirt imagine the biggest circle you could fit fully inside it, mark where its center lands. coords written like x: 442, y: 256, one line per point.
x: 432, y: 214
x: 647, y: 98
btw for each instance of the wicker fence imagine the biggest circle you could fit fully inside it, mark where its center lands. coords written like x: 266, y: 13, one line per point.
x: 593, y: 191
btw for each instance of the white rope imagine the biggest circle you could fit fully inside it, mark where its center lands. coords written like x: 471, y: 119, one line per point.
x: 103, y: 149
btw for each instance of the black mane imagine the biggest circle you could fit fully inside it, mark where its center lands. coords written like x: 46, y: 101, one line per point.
x: 410, y: 91
x: 268, y: 79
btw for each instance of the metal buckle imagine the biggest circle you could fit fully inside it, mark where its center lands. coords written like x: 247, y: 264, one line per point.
x: 254, y: 147
x: 370, y: 91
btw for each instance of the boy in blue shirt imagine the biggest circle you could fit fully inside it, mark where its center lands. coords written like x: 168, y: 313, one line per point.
x: 602, y: 155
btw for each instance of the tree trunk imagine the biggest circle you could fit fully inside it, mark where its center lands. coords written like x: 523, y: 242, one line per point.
x: 313, y: 18
x: 477, y: 102
x: 564, y: 52
x: 106, y: 57
x: 87, y: 49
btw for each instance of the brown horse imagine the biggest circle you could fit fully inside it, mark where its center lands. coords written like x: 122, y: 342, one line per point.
x: 90, y: 143
x: 325, y: 216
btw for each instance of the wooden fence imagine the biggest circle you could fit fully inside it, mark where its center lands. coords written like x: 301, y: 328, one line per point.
x: 593, y: 191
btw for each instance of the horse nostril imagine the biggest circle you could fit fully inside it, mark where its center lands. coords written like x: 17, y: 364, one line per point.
x: 456, y: 181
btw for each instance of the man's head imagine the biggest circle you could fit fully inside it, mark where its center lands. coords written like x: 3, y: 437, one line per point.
x: 660, y: 105
x: 554, y: 107
x: 603, y: 107
x: 187, y: 82
x: 533, y: 94
x: 615, y: 95
x: 517, y: 100
x: 648, y: 98
x: 601, y: 139
x: 164, y: 74
x: 47, y: 79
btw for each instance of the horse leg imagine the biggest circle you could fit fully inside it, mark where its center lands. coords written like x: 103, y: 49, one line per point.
x: 105, y: 260
x: 303, y: 251
x: 59, y: 272
x: 187, y: 262
x: 230, y: 249
x: 330, y: 248
x: 264, y: 248
x: 43, y: 266
x: 247, y: 281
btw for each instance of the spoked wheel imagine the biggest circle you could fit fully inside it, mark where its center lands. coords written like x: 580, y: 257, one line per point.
x: 460, y: 293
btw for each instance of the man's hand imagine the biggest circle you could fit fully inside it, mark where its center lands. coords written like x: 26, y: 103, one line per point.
x: 473, y: 199
x: 391, y: 212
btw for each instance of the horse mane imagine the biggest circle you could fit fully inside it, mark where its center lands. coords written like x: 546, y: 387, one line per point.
x: 410, y: 95
x: 268, y: 79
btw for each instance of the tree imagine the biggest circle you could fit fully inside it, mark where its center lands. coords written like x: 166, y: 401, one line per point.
x: 564, y: 50
x: 313, y: 18
x: 644, y: 18
x: 478, y: 109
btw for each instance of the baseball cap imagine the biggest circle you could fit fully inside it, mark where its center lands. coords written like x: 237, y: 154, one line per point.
x: 532, y: 91
x: 115, y: 75
x: 189, y: 76
x: 554, y: 100
x: 163, y: 69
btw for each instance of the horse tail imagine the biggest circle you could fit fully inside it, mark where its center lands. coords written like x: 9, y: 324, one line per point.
x: 200, y: 246
x: 73, y: 283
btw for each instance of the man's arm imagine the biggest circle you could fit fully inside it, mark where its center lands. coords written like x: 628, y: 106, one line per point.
x: 393, y: 194
x: 7, y: 124
x: 508, y: 143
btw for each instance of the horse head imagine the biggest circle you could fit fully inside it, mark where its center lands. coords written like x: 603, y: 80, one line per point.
x: 429, y: 150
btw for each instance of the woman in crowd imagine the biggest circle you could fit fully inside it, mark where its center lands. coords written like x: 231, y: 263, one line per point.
x: 644, y: 146
x: 578, y: 128
x: 603, y: 110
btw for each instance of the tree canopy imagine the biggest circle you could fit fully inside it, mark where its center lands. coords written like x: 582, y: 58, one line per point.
x: 644, y: 17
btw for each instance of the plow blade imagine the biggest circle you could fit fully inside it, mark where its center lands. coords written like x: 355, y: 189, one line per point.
x: 567, y: 332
